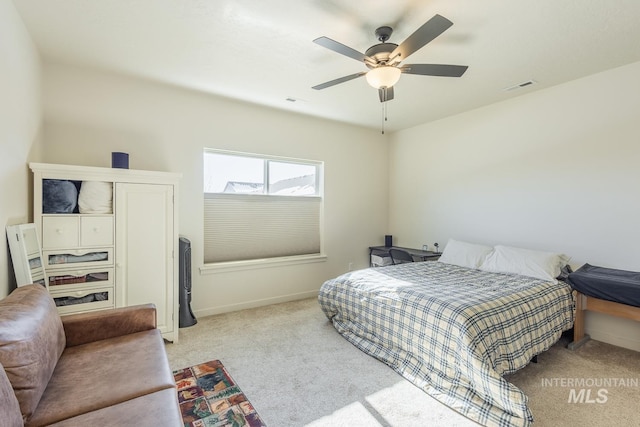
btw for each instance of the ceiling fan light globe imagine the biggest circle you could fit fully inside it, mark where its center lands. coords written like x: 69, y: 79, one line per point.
x: 383, y: 76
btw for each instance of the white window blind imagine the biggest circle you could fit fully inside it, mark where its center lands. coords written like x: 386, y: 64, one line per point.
x: 243, y: 227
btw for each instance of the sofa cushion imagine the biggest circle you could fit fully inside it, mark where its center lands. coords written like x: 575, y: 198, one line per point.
x: 159, y: 409
x: 103, y: 373
x: 83, y: 328
x: 31, y: 342
x: 9, y: 407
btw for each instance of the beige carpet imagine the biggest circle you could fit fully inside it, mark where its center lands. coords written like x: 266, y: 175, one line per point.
x: 298, y: 371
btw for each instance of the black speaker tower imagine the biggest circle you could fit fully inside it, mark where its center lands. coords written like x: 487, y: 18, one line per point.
x: 186, y: 315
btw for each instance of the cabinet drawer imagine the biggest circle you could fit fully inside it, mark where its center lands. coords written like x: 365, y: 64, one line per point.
x: 77, y: 258
x: 86, y: 299
x: 73, y: 279
x: 60, y: 232
x: 96, y: 231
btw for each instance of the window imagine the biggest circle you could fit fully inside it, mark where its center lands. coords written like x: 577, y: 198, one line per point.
x: 258, y: 207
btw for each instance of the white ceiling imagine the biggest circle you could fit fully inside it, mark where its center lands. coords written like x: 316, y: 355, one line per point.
x: 261, y: 51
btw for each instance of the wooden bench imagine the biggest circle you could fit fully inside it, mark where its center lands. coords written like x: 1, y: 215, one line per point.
x: 585, y: 302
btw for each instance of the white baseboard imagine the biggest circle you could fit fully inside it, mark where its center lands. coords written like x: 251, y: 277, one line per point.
x: 254, y: 304
x: 613, y: 330
x: 608, y: 338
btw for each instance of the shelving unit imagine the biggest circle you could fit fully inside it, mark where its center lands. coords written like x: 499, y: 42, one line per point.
x: 120, y: 255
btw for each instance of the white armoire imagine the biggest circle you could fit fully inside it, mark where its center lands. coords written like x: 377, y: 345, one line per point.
x: 117, y: 246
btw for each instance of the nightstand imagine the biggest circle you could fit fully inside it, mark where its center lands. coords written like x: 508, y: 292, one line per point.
x: 379, y: 255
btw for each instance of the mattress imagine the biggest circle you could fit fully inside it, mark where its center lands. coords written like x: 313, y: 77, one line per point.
x: 609, y: 284
x: 452, y: 331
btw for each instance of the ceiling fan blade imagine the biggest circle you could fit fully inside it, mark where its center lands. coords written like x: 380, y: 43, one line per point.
x: 423, y: 35
x: 338, y: 81
x: 385, y: 94
x: 342, y: 49
x: 441, y: 70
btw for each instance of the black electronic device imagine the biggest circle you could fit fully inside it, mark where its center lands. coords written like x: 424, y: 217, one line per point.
x: 186, y: 317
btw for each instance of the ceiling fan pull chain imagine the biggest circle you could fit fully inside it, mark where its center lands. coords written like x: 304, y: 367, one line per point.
x: 383, y: 118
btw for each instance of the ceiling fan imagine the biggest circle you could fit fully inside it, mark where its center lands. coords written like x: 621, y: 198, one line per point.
x: 384, y: 58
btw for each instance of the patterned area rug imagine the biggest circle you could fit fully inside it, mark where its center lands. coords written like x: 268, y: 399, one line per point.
x: 209, y: 397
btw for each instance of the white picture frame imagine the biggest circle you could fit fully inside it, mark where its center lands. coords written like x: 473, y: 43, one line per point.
x: 26, y: 255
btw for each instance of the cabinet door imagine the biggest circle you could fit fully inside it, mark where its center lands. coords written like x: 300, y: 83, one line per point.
x: 145, y: 239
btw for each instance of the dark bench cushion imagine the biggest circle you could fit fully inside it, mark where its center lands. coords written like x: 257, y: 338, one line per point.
x: 609, y: 284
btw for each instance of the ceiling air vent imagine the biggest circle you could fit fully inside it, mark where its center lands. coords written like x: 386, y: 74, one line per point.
x: 520, y: 85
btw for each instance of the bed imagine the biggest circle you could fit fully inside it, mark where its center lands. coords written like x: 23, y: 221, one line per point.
x: 452, y: 331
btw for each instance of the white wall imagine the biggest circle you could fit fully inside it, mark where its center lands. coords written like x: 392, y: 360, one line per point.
x: 89, y: 114
x: 557, y: 169
x: 20, y: 127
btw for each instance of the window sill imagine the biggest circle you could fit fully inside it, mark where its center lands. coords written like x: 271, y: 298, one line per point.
x: 252, y: 264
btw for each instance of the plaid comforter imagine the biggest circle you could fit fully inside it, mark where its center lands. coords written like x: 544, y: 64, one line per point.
x: 452, y: 331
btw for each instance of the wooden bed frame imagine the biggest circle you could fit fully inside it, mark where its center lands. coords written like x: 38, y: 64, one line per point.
x: 584, y: 302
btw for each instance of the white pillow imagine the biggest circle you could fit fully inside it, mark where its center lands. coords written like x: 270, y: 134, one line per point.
x: 526, y: 262
x: 464, y: 254
x: 95, y: 197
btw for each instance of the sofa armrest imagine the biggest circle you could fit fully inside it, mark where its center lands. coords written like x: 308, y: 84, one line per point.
x: 83, y: 328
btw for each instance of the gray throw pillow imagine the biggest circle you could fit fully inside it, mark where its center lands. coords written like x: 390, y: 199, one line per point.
x: 58, y: 196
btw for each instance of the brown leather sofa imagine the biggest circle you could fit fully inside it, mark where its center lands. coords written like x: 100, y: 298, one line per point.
x: 104, y: 368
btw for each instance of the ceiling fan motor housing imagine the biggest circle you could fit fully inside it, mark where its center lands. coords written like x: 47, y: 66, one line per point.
x: 380, y: 52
